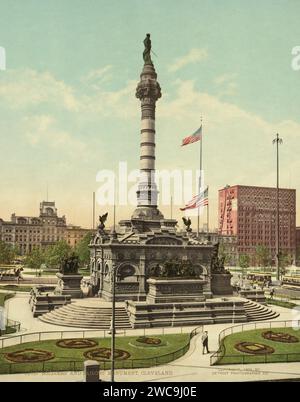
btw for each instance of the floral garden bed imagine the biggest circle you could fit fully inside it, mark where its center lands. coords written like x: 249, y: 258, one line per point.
x: 105, y: 354
x: 76, y: 343
x: 29, y: 356
x: 69, y: 354
x: 261, y: 346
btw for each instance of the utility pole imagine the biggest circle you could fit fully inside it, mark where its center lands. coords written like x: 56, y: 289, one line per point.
x: 277, y: 141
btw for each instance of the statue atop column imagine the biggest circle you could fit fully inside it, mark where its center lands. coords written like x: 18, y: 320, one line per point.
x: 148, y: 89
x: 147, y: 51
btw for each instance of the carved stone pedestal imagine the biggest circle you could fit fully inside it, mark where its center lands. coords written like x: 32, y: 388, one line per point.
x: 221, y: 284
x: 175, y: 290
x: 69, y: 284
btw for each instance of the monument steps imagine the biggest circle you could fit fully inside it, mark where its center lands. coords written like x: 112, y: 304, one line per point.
x: 76, y: 315
x: 85, y: 318
x: 257, y: 312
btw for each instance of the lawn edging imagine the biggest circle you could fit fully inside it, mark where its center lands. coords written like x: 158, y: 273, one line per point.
x: 77, y: 365
x: 216, y: 357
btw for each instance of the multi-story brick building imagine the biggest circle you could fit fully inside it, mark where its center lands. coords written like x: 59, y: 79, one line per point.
x: 298, y: 246
x: 25, y: 232
x: 74, y: 234
x: 249, y: 213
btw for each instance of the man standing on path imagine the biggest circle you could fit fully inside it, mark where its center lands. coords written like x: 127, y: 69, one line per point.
x: 205, y: 342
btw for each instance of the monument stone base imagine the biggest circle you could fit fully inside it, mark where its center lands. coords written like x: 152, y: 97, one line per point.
x: 175, y: 290
x: 213, y: 311
x: 221, y: 284
x: 254, y: 295
x: 69, y: 284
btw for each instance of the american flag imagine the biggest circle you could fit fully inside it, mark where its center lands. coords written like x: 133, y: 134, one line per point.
x: 197, y: 201
x: 196, y: 136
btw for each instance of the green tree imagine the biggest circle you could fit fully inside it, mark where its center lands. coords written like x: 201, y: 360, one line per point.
x: 285, y: 259
x: 56, y: 254
x: 224, y: 254
x: 82, y: 249
x: 244, y: 262
x: 263, y: 258
x: 7, y: 253
x: 35, y: 258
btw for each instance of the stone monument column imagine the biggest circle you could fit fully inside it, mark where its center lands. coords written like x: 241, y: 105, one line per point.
x: 148, y: 91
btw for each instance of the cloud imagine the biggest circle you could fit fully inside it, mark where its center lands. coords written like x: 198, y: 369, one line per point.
x: 96, y: 78
x: 27, y: 88
x: 226, y: 84
x: 43, y: 130
x: 237, y: 143
x: 193, y: 56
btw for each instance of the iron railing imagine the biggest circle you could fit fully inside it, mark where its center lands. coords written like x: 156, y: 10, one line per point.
x: 11, y: 327
x: 77, y: 365
x: 216, y: 357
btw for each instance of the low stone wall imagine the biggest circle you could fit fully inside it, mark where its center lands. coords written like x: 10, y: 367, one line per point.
x: 42, y: 300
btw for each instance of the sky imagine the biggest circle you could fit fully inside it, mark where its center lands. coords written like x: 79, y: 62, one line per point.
x: 68, y: 108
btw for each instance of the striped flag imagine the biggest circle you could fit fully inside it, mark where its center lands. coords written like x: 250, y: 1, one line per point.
x: 203, y: 201
x: 196, y: 136
x: 197, y: 201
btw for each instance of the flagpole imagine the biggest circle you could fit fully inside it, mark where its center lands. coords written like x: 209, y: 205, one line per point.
x: 200, y: 178
x: 171, y: 207
x: 93, y: 210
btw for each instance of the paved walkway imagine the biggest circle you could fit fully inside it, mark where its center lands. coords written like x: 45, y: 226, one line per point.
x: 192, y: 367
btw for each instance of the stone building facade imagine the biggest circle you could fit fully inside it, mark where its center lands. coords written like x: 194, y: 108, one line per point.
x: 26, y: 232
x: 74, y: 234
x: 298, y: 246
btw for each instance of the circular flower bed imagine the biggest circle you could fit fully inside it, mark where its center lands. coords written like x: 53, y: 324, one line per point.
x: 76, y: 343
x: 254, y: 348
x: 105, y: 354
x: 280, y: 337
x: 29, y: 356
x: 149, y: 341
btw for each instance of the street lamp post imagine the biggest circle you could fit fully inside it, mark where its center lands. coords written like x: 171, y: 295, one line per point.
x: 113, y: 323
x: 277, y: 141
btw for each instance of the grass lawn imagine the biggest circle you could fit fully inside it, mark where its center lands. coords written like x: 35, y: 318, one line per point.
x: 84, y: 272
x: 284, y: 352
x: 5, y: 296
x: 72, y: 359
x: 16, y: 288
x: 281, y: 303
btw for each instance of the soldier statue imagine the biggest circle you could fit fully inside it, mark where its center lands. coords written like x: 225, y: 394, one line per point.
x: 147, y: 51
x: 70, y: 265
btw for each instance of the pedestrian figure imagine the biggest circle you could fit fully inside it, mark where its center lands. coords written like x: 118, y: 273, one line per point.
x: 205, y: 342
x: 271, y: 294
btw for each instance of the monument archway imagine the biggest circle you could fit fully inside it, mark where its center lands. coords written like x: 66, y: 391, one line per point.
x: 127, y: 272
